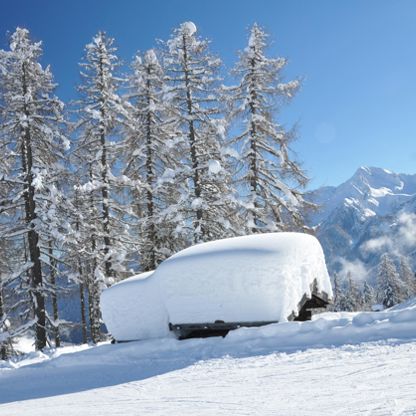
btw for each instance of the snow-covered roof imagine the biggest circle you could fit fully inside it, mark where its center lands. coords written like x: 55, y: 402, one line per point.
x: 252, y: 278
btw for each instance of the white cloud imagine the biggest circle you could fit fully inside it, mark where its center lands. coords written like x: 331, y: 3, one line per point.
x: 407, y: 229
x: 399, y: 241
x: 356, y: 268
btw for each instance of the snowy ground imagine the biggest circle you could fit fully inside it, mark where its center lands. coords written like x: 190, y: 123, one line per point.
x: 346, y: 364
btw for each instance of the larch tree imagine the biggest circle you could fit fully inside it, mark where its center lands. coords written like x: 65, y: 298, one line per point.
x: 367, y: 296
x: 80, y: 249
x: 102, y: 113
x: 269, y: 179
x: 407, y: 277
x: 149, y: 149
x: 206, y: 202
x: 337, y: 292
x: 389, y: 286
x: 32, y: 133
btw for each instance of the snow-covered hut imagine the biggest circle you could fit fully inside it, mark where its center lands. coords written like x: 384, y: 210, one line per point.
x: 213, y: 287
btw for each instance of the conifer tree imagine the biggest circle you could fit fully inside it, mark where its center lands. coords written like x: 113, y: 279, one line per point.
x: 206, y: 202
x: 389, y: 287
x: 32, y: 135
x: 270, y: 180
x: 101, y: 113
x: 103, y: 228
x: 368, y: 296
x: 337, y: 292
x: 407, y: 277
x: 150, y: 151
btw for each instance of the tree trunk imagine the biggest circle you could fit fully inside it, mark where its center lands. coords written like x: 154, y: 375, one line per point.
x: 104, y: 189
x: 253, y: 152
x: 54, y: 298
x: 90, y: 311
x: 198, y: 237
x: 151, y: 261
x: 36, y: 278
x: 3, y: 345
x: 94, y: 303
x: 83, y: 317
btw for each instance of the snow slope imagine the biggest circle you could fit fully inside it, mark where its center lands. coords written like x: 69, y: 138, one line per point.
x: 346, y: 364
x: 369, y: 379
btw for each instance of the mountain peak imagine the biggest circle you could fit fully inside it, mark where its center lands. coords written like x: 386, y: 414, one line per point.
x: 374, y: 171
x: 370, y: 191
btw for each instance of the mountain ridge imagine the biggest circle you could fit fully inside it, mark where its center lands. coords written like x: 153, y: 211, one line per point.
x: 364, y: 216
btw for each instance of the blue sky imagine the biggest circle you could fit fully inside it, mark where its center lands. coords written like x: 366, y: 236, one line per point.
x: 357, y: 58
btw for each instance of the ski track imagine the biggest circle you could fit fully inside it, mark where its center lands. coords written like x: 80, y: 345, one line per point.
x: 366, y: 379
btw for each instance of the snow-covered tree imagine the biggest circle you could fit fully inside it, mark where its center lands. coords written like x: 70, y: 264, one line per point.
x: 407, y: 276
x: 269, y: 180
x: 103, y: 228
x: 5, y: 334
x: 205, y: 209
x: 101, y: 113
x: 389, y: 286
x: 337, y: 292
x: 80, y: 256
x: 368, y: 298
x: 149, y: 152
x: 32, y: 137
x: 350, y: 298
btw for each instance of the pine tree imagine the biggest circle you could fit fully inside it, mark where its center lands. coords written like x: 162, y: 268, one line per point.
x: 407, y: 277
x: 206, y: 203
x: 270, y: 181
x: 32, y: 134
x: 389, y: 287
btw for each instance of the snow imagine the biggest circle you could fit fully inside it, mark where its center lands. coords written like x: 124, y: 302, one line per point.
x: 252, y: 278
x: 346, y: 364
x: 379, y: 192
x: 151, y: 57
x: 189, y: 28
x: 377, y: 189
x: 214, y: 166
x: 133, y: 309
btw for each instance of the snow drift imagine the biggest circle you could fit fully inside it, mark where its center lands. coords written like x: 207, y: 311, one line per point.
x: 133, y: 309
x: 251, y: 278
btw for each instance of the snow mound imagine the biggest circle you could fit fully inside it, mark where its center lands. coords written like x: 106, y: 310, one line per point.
x: 133, y: 309
x: 334, y: 329
x: 214, y: 166
x: 189, y: 28
x: 251, y: 278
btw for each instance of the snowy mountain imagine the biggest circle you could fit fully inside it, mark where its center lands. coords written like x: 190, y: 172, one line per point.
x: 369, y: 214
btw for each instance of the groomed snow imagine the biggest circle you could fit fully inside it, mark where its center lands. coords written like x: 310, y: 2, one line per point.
x: 338, y: 364
x: 251, y: 278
